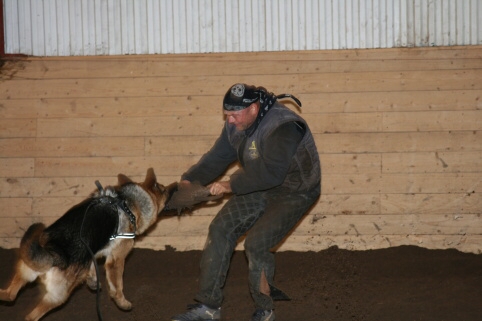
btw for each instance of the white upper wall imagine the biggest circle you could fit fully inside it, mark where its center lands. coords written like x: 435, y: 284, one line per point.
x: 116, y: 27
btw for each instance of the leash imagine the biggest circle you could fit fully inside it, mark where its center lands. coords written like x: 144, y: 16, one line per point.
x: 119, y: 204
x: 99, y: 313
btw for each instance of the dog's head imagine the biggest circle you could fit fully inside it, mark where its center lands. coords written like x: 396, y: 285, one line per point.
x: 147, y: 199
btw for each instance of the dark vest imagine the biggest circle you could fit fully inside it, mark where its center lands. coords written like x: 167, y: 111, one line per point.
x: 305, y: 171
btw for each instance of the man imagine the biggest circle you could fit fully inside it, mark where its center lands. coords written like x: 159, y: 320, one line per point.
x: 277, y: 182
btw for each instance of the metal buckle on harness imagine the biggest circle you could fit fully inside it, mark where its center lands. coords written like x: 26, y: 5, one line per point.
x: 122, y: 236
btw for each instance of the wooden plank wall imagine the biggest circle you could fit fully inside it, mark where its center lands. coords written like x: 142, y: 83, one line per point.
x: 399, y: 133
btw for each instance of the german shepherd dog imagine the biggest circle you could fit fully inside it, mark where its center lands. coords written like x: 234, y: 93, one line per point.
x: 103, y: 225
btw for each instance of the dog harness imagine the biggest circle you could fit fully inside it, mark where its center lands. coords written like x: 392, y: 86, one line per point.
x: 122, y: 207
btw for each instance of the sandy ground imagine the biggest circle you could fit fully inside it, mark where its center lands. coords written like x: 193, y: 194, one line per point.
x: 402, y: 283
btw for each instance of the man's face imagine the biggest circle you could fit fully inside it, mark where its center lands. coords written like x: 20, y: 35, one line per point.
x: 243, y: 118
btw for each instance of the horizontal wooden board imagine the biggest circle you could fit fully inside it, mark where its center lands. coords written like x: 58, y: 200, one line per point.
x: 212, y: 125
x: 400, y: 142
x: 20, y: 167
x: 198, y: 105
x: 270, y: 67
x: 347, y: 123
x: 335, y: 184
x: 17, y: 127
x: 104, y: 166
x: 465, y: 243
x: 327, y: 225
x: 184, y: 125
x: 452, y: 52
x: 350, y: 163
x: 456, y: 204
x: 54, y: 207
x: 319, y: 225
x: 410, y: 100
x: 468, y: 183
x: 67, y: 186
x: 389, y: 81
x: 408, y: 224
x: 432, y: 121
x: 359, y: 204
x: 430, y: 162
x: 180, y: 145
x: 13, y: 207
x: 96, y: 68
x: 216, y: 85
x: 68, y: 147
x: 122, y: 107
x: 130, y: 127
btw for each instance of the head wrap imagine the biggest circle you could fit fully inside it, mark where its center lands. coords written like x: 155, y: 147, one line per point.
x: 241, y: 96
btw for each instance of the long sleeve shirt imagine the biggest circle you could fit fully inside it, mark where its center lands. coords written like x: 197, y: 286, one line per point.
x: 266, y: 171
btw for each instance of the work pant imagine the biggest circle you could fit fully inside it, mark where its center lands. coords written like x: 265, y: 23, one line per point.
x: 269, y: 216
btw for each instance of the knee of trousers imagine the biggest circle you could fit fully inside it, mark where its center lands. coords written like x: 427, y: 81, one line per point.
x: 218, y: 232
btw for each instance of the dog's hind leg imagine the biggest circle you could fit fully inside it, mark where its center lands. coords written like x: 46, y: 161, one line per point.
x: 23, y: 275
x: 114, y: 266
x: 58, y: 286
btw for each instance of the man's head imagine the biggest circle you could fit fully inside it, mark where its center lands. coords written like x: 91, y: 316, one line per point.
x: 241, y: 105
x: 240, y: 96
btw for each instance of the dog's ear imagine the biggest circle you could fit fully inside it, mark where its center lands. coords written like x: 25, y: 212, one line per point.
x: 150, y: 178
x: 122, y: 179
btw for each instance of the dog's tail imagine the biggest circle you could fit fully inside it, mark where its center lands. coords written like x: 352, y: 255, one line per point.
x: 32, y: 250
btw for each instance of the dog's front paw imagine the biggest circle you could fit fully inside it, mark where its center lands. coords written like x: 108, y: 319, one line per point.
x: 123, y: 304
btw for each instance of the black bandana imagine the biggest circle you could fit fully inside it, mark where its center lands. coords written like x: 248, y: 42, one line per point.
x: 266, y: 101
x: 241, y: 96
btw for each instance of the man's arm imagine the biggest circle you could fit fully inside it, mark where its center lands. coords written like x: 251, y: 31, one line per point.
x: 213, y: 163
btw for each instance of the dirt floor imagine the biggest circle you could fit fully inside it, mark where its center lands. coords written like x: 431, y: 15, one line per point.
x: 403, y: 283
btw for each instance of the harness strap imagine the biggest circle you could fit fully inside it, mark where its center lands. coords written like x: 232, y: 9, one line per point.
x: 121, y: 207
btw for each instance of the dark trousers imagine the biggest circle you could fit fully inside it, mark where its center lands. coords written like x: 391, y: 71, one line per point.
x: 269, y: 216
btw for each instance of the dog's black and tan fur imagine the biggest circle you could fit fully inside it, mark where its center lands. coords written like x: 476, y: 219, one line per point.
x: 59, y: 257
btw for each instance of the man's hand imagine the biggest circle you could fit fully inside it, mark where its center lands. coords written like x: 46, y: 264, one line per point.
x: 184, y: 184
x: 219, y: 188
